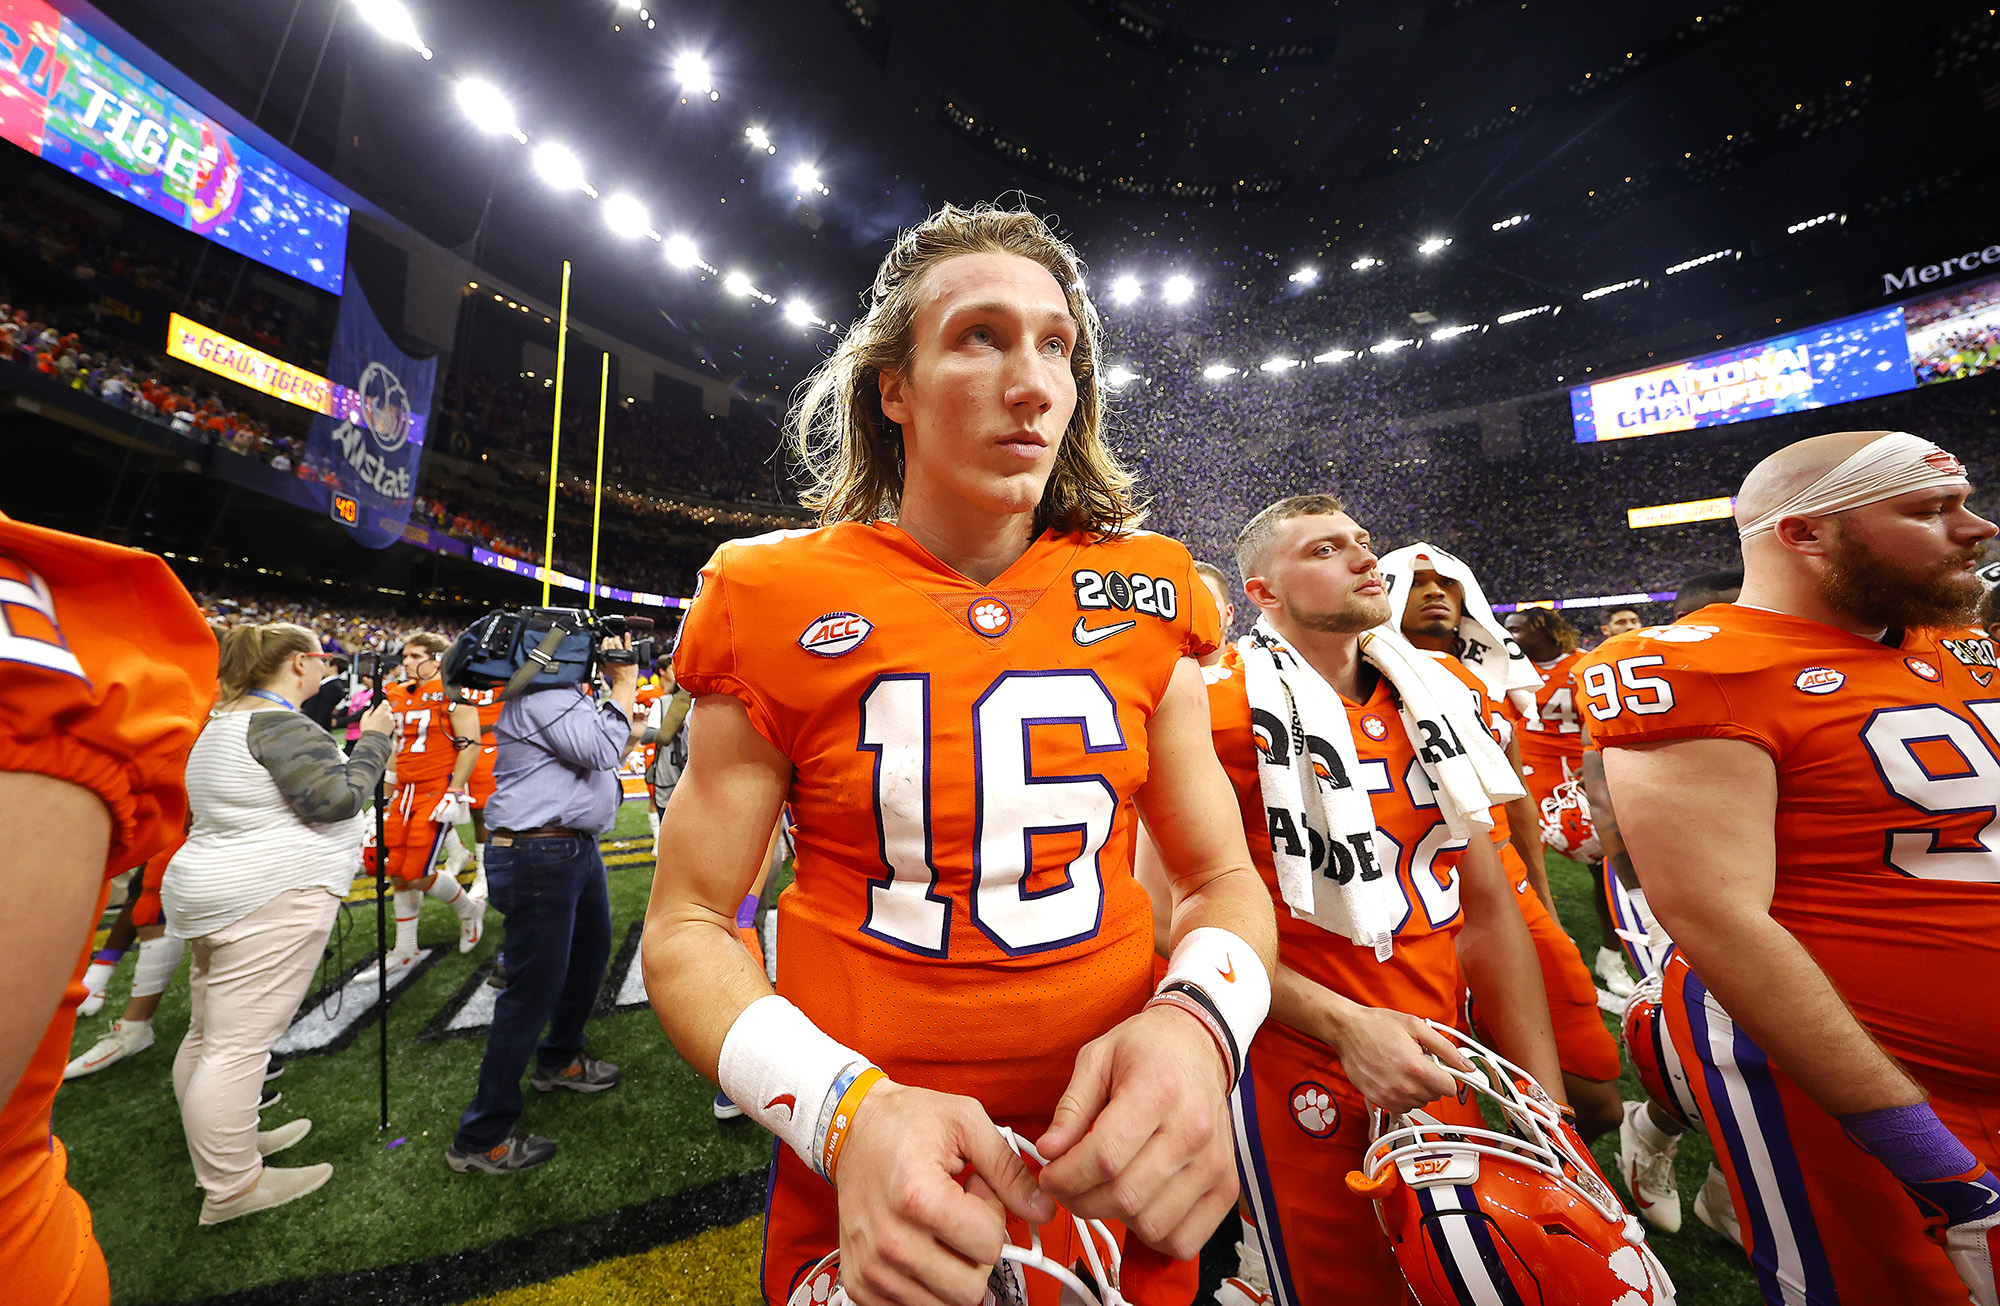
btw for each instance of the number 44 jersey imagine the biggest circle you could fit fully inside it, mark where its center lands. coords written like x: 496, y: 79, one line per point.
x: 1887, y: 831
x: 964, y: 759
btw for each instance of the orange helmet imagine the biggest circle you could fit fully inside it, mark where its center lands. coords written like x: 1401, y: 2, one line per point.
x: 820, y: 1285
x: 1566, y: 824
x: 1523, y: 1216
x: 1653, y: 1055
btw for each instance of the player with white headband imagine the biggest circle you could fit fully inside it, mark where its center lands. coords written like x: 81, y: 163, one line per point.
x: 1806, y: 780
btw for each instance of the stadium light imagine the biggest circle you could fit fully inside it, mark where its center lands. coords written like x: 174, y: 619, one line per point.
x: 489, y: 110
x: 1450, y: 332
x: 1120, y: 376
x: 1280, y: 364
x: 1797, y: 227
x: 692, y: 72
x: 800, y: 313
x: 1613, y: 288
x: 736, y: 283
x: 1514, y: 221
x: 1125, y: 289
x: 1305, y: 276
x: 1520, y: 313
x: 558, y: 167
x: 1216, y: 371
x: 1334, y: 356
x: 626, y: 216
x: 1433, y: 245
x: 1177, y: 289
x: 681, y: 252
x: 1365, y: 262
x: 390, y: 18
x: 760, y: 139
x: 1390, y: 346
x: 806, y: 178
x: 1705, y: 258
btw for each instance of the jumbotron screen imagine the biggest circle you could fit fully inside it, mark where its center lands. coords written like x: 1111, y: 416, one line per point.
x: 1942, y: 337
x: 69, y: 98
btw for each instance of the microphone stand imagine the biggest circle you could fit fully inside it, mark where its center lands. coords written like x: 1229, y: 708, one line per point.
x: 381, y: 922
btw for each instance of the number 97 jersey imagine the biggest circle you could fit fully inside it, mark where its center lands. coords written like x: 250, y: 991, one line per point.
x: 964, y: 759
x: 1887, y: 831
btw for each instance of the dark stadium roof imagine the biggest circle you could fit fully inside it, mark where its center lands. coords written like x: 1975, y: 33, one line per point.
x: 1231, y: 140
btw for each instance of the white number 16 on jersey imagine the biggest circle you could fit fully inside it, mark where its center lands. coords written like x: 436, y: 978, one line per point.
x: 1012, y: 805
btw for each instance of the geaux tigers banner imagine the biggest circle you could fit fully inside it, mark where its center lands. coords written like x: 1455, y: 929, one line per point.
x: 368, y: 448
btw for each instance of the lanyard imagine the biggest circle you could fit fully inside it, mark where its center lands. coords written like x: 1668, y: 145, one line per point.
x: 268, y: 696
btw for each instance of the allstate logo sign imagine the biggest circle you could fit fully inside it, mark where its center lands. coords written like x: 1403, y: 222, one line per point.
x: 385, y: 407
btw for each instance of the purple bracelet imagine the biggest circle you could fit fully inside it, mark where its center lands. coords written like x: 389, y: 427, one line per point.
x: 1911, y: 1141
x: 746, y: 915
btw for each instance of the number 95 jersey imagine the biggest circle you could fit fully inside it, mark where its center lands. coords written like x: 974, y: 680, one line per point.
x: 964, y: 758
x: 1888, y: 836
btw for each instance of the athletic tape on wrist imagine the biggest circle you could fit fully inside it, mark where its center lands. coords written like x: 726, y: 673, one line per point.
x: 746, y: 912
x: 784, y: 1072
x: 1910, y: 1141
x: 1217, y: 978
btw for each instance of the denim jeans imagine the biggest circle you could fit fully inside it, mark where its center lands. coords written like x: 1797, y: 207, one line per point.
x: 557, y: 945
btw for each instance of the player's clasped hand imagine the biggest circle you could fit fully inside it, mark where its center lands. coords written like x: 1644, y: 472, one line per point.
x: 1142, y: 1133
x: 909, y: 1234
x: 1387, y: 1055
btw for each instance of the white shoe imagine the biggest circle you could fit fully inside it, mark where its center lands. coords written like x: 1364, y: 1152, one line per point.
x: 270, y: 1142
x: 478, y: 889
x: 1713, y: 1207
x: 1612, y: 975
x: 1251, y: 1284
x: 400, y: 961
x: 93, y: 1002
x: 274, y: 1187
x: 123, y: 1040
x: 456, y: 856
x: 471, y: 922
x: 1648, y: 1171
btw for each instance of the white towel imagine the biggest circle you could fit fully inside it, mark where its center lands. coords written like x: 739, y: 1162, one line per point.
x: 1330, y: 868
x: 1483, y: 643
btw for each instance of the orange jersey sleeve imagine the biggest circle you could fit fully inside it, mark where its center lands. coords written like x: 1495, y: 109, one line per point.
x: 425, y: 753
x: 1422, y: 976
x: 1887, y: 829
x: 965, y: 758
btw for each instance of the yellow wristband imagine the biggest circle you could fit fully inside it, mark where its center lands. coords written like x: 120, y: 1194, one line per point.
x: 843, y: 1117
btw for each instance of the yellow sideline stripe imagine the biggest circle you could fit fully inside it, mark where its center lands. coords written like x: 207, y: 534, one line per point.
x: 717, y: 1268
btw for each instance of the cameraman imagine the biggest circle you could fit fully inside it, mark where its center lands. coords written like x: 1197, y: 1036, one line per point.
x: 556, y: 789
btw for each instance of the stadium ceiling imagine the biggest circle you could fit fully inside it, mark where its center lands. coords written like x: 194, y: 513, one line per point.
x: 1232, y: 141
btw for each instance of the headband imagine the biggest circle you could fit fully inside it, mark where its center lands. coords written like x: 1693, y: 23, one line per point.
x: 1897, y: 463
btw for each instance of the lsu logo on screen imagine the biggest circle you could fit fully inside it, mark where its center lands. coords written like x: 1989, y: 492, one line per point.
x: 835, y: 633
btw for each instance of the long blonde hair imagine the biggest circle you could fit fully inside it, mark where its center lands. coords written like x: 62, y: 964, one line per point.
x: 852, y: 453
x: 251, y: 655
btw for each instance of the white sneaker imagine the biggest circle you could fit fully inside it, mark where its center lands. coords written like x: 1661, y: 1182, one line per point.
x: 1648, y: 1171
x: 125, y: 1038
x: 471, y: 922
x: 93, y: 999
x: 1713, y: 1207
x: 1251, y: 1284
x: 1612, y: 975
x: 270, y: 1142
x: 274, y: 1187
x: 456, y: 856
x: 400, y: 961
x: 478, y: 889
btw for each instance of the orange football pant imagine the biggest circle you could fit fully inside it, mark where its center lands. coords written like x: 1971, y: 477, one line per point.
x: 1584, y: 1046
x: 410, y: 833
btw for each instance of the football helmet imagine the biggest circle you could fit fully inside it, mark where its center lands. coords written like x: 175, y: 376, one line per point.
x: 1005, y: 1286
x: 1646, y: 1043
x: 1520, y: 1214
x: 1566, y: 824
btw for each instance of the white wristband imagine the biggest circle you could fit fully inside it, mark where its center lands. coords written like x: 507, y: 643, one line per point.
x: 1227, y: 972
x: 781, y: 1069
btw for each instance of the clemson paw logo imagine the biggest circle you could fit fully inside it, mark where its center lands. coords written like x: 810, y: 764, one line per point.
x: 1314, y: 1109
x: 990, y: 617
x: 1374, y: 728
x: 818, y: 1290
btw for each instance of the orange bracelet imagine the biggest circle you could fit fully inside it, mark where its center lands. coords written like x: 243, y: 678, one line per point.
x: 843, y: 1117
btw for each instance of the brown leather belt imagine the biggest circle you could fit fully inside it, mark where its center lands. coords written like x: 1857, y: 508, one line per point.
x: 506, y: 837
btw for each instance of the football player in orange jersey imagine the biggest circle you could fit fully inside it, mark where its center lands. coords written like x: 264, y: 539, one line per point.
x: 967, y: 684
x: 1806, y: 781
x: 1347, y: 1030
x: 480, y: 787
x: 1432, y: 608
x: 1225, y: 606
x: 106, y: 673
x: 435, y: 756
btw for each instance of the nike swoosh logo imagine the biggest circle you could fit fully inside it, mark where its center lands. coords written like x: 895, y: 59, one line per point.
x: 1085, y: 636
x: 1229, y: 974
x: 785, y: 1100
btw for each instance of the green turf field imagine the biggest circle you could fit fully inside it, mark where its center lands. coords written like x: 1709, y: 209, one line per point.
x: 641, y: 1166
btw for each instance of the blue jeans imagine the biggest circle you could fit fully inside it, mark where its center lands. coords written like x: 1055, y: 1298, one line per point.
x: 557, y: 946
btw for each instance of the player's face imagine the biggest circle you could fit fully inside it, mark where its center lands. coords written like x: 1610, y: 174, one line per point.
x: 417, y: 664
x: 1536, y: 643
x: 1435, y: 606
x: 1621, y: 621
x: 1907, y: 561
x: 988, y: 392
x: 1322, y: 574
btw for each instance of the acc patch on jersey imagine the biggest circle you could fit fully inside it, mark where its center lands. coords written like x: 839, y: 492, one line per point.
x: 835, y: 633
x: 1819, y: 680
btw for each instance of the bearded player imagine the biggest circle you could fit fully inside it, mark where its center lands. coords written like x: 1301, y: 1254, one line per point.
x: 438, y: 747
x: 1806, y: 781
x: 1434, y: 613
x: 1347, y: 1025
x: 976, y: 676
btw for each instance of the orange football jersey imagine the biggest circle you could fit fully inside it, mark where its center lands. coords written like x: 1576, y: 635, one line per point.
x: 1422, y: 976
x: 107, y: 671
x: 424, y: 750
x: 964, y: 759
x: 1888, y: 833
x: 489, y: 705
x: 1554, y: 735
